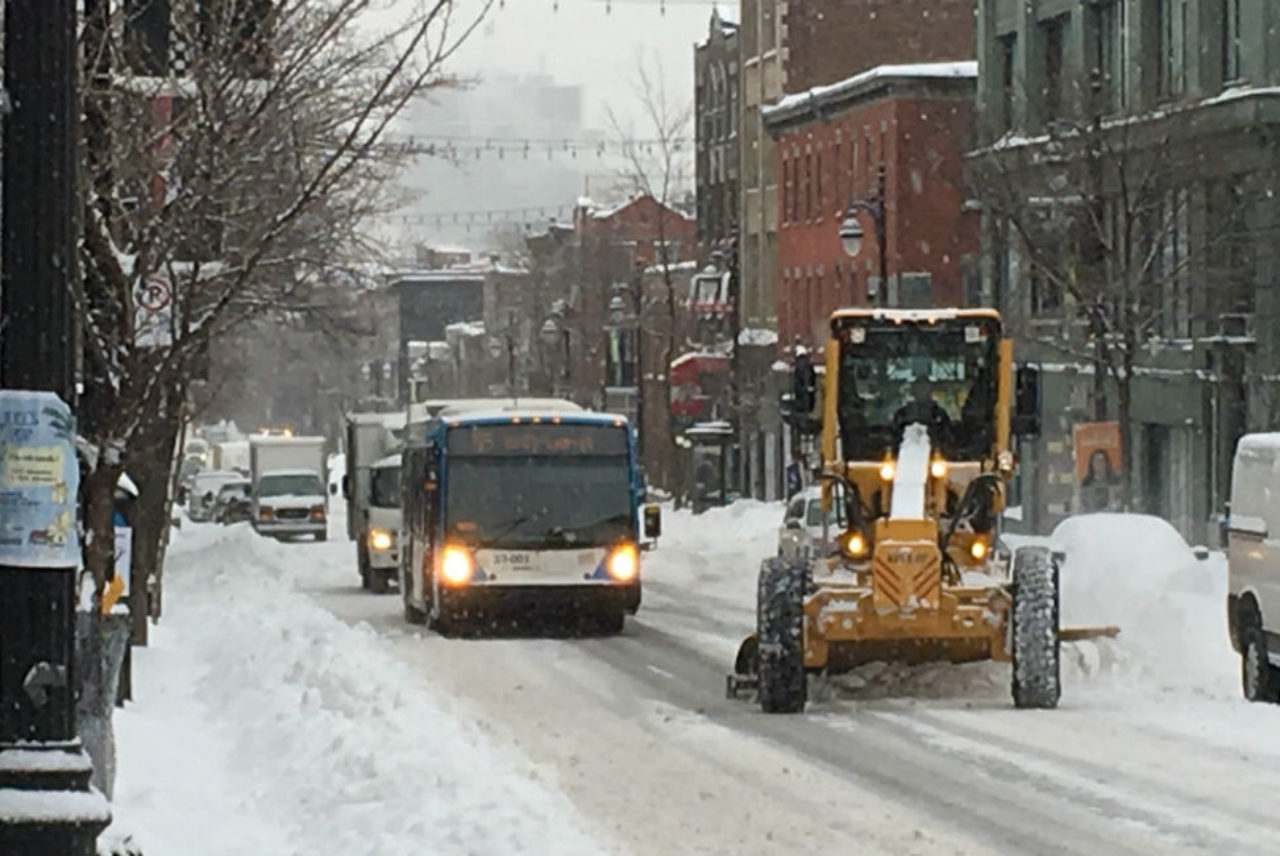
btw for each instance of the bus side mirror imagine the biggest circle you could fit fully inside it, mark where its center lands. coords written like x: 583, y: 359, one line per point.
x: 346, y: 487
x: 652, y: 521
x: 1026, y: 403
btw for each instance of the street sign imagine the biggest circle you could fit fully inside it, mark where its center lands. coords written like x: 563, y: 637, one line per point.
x: 153, y: 312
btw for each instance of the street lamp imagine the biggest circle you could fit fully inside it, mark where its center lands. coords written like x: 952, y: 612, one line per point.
x: 622, y: 317
x: 851, y: 231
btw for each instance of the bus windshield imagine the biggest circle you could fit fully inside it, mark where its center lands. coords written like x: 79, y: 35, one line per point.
x: 539, y: 502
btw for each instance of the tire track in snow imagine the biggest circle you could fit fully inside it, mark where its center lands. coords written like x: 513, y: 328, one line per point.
x: 892, y: 761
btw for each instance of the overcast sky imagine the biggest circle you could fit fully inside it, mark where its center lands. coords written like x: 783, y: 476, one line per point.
x: 582, y: 44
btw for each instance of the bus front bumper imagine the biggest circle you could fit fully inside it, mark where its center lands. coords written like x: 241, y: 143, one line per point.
x: 542, y: 599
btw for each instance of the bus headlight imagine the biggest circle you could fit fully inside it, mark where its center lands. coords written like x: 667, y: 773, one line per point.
x: 853, y: 544
x: 456, y: 566
x: 623, y: 563
x: 380, y: 540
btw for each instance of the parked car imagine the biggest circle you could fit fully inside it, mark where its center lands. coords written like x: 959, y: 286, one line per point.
x: 234, y: 503
x: 800, y: 535
x: 203, y: 495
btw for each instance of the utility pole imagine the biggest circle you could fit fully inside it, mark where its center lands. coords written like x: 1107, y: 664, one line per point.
x: 45, y: 802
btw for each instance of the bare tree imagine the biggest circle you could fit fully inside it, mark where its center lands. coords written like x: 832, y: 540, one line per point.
x: 658, y: 165
x: 224, y: 192
x: 1124, y: 239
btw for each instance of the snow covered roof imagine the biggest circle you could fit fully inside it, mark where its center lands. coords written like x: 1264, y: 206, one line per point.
x: 461, y: 273
x: 678, y: 266
x: 388, y: 461
x: 295, y: 471
x: 821, y: 96
x: 758, y: 337
x: 466, y: 328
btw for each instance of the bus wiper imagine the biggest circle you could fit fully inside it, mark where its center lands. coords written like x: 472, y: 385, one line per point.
x: 507, y: 527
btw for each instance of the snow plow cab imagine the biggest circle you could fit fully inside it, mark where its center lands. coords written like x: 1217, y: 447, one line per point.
x: 917, y: 411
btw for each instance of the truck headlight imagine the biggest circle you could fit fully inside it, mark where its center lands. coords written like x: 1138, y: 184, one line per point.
x: 456, y: 565
x: 381, y: 540
x: 623, y: 563
x: 853, y: 544
x: 265, y: 513
x: 317, y: 513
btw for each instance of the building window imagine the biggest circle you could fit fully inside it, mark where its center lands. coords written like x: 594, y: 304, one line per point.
x: 1105, y: 27
x: 1172, y: 20
x: 817, y: 190
x: 1046, y: 294
x: 808, y: 185
x: 1231, y: 66
x: 1008, y: 57
x: 1052, y: 41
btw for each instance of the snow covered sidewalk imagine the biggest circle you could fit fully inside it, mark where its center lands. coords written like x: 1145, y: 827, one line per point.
x: 264, y: 725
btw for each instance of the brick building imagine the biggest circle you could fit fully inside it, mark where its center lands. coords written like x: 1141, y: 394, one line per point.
x: 829, y: 40
x: 915, y: 122
x: 639, y: 226
x: 716, y: 120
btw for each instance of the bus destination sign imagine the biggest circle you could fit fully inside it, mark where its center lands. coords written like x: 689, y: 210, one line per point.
x: 539, y: 439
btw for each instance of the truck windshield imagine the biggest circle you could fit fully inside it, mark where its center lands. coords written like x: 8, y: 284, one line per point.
x: 293, y: 484
x: 940, y: 375
x: 539, y: 502
x: 384, y: 492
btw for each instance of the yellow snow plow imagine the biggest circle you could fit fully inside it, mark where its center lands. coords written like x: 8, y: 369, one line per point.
x: 917, y: 411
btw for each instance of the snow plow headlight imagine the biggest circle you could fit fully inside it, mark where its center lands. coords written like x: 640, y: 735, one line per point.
x: 938, y: 468
x: 623, y: 563
x: 380, y: 540
x: 456, y: 565
x: 978, y: 549
x: 887, y: 471
x: 853, y: 544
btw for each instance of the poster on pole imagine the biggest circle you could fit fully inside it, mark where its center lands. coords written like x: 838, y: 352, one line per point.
x: 1098, y: 463
x: 39, y: 481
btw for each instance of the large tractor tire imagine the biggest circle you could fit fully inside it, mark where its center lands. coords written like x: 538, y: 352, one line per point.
x: 780, y: 630
x: 1037, y: 674
x: 1259, y: 680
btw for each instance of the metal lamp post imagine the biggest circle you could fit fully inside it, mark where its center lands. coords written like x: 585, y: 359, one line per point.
x: 626, y: 320
x: 851, y: 232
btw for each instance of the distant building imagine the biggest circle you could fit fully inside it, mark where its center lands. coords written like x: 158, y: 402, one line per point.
x: 716, y: 119
x: 647, y: 231
x: 914, y: 122
x: 428, y: 303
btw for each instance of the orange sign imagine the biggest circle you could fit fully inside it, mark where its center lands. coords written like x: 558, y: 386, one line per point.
x: 1097, y: 446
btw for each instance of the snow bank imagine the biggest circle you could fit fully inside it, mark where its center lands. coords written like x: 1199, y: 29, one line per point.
x: 309, y: 728
x: 1136, y: 571
x: 718, y: 553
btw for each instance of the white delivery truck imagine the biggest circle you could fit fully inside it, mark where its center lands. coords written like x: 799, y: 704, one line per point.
x: 288, y: 476
x: 371, y: 487
x: 231, y: 455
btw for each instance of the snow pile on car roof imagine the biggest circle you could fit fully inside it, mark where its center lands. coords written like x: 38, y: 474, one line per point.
x: 1136, y: 571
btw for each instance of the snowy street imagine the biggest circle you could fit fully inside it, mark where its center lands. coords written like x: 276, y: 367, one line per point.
x: 312, y: 719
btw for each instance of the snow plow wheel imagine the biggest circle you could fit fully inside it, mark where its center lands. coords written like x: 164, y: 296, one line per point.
x: 1037, y: 677
x: 1258, y: 678
x: 780, y: 630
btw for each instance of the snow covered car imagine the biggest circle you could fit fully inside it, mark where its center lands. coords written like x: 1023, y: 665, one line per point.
x: 203, y: 496
x: 800, y: 535
x: 287, y: 503
x: 233, y: 503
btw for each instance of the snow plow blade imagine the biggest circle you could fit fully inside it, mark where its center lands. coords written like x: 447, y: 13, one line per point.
x: 1079, y: 634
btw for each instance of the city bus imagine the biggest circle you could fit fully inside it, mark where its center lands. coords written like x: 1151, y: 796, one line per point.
x: 526, y: 514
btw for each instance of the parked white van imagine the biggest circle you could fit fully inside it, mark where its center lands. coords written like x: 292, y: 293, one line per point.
x: 1253, y: 563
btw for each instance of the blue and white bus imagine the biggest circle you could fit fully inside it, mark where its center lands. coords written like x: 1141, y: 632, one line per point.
x: 528, y: 512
